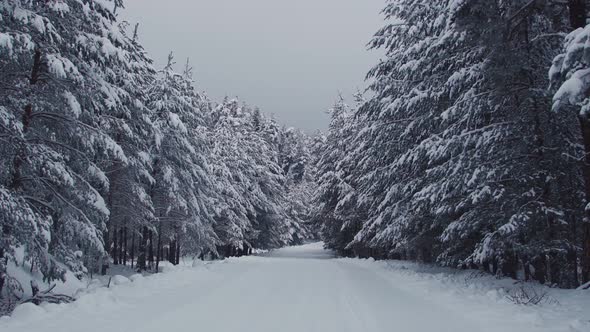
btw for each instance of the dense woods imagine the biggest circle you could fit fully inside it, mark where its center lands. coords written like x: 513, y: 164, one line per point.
x: 471, y: 148
x: 468, y: 153
x: 107, y: 160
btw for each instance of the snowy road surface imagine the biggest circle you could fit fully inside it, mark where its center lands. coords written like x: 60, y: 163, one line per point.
x: 301, y: 289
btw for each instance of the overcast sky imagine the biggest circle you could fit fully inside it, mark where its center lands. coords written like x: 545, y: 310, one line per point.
x: 290, y: 58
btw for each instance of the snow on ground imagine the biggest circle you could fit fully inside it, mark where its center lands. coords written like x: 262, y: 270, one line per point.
x: 22, y: 273
x: 274, y: 292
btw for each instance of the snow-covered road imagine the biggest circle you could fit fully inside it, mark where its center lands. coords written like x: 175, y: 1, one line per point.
x: 301, y: 289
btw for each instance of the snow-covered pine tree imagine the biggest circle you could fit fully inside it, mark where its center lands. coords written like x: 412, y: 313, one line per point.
x: 200, y: 235
x: 336, y: 169
x: 234, y: 209
x: 537, y: 236
x: 253, y: 208
x: 272, y: 220
x: 317, y: 147
x: 568, y: 79
x: 295, y: 161
x: 292, y: 153
x: 179, y: 167
x: 462, y: 162
x: 102, y: 154
x: 53, y: 123
x: 123, y: 81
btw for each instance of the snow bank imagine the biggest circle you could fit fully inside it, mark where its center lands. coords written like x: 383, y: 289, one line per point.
x: 485, y: 298
x: 120, y: 280
x: 27, y: 310
x: 23, y: 274
x: 306, y: 289
x: 95, y: 301
x: 118, y: 275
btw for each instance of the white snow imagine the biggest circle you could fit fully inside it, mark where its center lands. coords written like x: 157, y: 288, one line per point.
x: 62, y: 67
x: 305, y: 289
x: 22, y: 273
x: 120, y: 280
x: 572, y: 89
x: 6, y: 42
x: 15, y: 43
x: 73, y: 104
x: 59, y: 6
x: 99, y: 203
x: 177, y: 123
x: 38, y: 23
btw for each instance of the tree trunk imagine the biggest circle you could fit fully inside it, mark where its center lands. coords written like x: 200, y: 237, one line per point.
x: 585, y: 258
x: 104, y: 265
x: 585, y: 227
x: 151, y: 250
x: 141, y: 258
x: 132, y: 254
x: 159, y: 248
x: 578, y: 17
x: 509, y: 266
x: 20, y: 157
x: 121, y: 249
x: 577, y: 10
x: 125, y: 246
x: 115, y: 247
x: 36, y: 71
x: 172, y: 252
x: 26, y: 121
x: 2, y: 271
x: 2, y: 279
x: 35, y: 291
x: 177, y: 253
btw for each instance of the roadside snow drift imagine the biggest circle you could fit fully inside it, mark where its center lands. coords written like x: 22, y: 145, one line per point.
x: 305, y: 289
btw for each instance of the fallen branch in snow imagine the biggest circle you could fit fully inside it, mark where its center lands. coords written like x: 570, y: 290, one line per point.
x: 48, y: 297
x: 15, y: 296
x: 529, y: 296
x: 585, y: 286
x: 473, y: 276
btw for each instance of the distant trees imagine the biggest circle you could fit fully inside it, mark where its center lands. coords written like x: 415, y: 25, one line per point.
x: 337, y: 167
x: 254, y: 209
x: 104, y: 159
x: 462, y: 161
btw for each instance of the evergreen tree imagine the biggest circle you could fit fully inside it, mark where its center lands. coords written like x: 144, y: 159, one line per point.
x: 53, y: 124
x: 568, y: 78
x: 101, y: 154
x: 462, y: 162
x: 335, y: 191
x: 179, y: 168
x: 254, y: 207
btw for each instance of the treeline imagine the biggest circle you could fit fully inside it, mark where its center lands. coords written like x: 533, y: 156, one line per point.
x: 464, y: 155
x: 105, y: 159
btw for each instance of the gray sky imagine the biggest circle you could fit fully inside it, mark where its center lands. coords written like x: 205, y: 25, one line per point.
x: 290, y: 58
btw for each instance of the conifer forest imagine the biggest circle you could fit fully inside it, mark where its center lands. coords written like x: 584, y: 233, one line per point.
x: 456, y: 185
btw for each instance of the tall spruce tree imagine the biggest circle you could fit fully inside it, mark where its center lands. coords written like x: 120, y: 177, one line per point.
x: 103, y: 159
x: 462, y: 162
x: 53, y: 123
x: 336, y: 192
x: 568, y: 75
x: 179, y: 167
